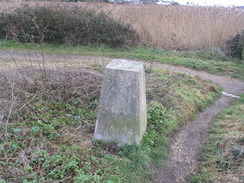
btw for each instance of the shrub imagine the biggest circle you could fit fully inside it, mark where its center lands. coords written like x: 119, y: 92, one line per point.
x: 232, y: 46
x: 1, y: 24
x: 235, y: 46
x: 59, y: 24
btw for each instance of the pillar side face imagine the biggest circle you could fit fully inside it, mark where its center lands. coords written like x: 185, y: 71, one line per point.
x: 122, y: 115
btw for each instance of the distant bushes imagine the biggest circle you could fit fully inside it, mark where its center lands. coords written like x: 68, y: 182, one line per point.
x: 180, y: 28
x: 234, y: 46
x: 60, y: 24
x: 231, y: 46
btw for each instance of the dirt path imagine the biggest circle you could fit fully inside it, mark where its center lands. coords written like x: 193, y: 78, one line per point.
x: 229, y: 85
x: 185, y: 146
x: 187, y: 143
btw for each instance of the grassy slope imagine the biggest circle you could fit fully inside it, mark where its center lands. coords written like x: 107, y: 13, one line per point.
x: 199, y: 60
x: 44, y: 141
x: 221, y: 158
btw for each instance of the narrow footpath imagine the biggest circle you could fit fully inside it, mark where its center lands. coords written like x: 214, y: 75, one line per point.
x: 181, y: 160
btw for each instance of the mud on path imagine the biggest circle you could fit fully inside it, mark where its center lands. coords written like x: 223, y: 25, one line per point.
x: 187, y: 142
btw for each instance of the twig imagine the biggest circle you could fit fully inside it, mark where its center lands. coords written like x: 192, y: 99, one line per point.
x: 11, y: 105
x: 27, y: 102
x: 8, y: 158
x: 15, y: 62
x: 2, y: 176
x: 58, y: 181
x: 2, y: 139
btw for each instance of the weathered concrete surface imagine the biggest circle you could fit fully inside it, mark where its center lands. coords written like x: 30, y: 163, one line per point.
x: 122, y: 115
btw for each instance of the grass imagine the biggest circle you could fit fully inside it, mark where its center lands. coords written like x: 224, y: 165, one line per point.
x: 211, y: 62
x: 167, y: 27
x: 48, y: 124
x: 223, y: 153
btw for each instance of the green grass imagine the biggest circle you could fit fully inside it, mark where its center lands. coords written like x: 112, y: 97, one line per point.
x: 208, y: 61
x: 50, y: 138
x: 221, y: 160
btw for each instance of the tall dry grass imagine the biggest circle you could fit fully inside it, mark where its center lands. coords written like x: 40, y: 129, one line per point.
x: 171, y: 27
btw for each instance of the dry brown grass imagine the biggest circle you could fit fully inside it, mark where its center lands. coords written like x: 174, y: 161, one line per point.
x: 171, y: 27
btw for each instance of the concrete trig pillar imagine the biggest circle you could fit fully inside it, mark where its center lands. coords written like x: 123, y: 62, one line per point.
x: 122, y: 113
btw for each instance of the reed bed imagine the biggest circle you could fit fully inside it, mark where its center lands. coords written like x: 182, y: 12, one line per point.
x: 168, y: 27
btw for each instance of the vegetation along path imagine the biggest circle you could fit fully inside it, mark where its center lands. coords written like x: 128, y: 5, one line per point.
x: 186, y: 144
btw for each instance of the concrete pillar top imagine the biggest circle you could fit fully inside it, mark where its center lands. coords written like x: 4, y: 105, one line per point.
x: 127, y: 65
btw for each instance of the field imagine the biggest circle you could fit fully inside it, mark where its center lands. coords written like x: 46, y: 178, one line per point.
x: 51, y: 71
x: 168, y: 27
x: 49, y: 114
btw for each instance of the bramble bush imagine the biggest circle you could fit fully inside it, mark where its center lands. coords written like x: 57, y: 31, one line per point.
x: 60, y: 24
x: 233, y: 46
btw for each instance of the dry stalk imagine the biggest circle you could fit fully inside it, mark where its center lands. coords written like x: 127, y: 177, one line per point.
x: 12, y: 84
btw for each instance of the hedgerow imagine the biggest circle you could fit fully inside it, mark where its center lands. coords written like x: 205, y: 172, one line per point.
x: 60, y: 24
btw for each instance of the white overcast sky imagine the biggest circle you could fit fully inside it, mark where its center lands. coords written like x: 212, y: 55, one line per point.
x: 213, y: 2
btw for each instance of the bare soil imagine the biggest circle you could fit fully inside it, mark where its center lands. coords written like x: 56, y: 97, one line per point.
x: 187, y: 142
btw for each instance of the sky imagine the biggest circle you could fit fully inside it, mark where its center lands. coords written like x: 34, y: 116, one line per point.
x: 214, y: 2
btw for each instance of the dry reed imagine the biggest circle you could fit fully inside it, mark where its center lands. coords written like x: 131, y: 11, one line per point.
x: 171, y: 27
